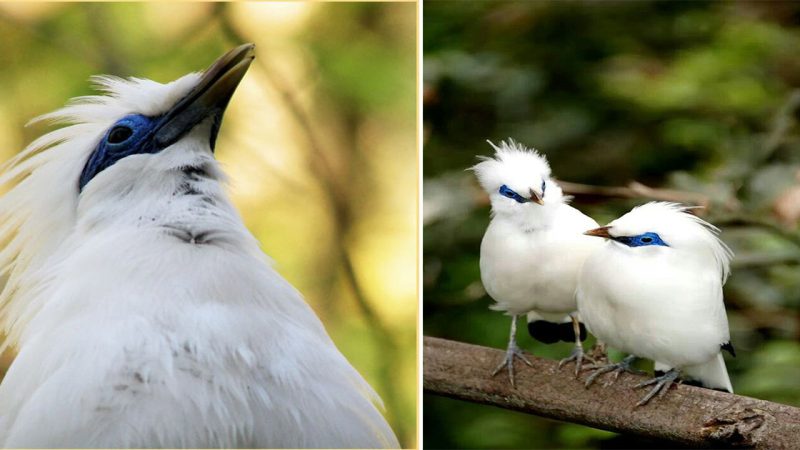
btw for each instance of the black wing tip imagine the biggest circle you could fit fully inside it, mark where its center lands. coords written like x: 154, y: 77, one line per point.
x: 551, y: 332
x: 544, y: 331
x: 729, y: 348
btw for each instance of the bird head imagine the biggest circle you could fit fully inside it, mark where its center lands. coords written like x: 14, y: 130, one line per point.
x: 659, y: 227
x: 126, y: 144
x: 517, y: 180
x: 127, y: 139
x: 160, y: 116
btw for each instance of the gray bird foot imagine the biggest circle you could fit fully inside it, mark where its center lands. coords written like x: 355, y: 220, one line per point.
x: 623, y: 366
x: 662, y: 383
x: 598, y: 353
x: 578, y: 356
x: 508, y: 361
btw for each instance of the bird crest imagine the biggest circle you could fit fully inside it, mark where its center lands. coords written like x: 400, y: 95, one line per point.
x: 676, y: 224
x: 519, y: 173
x: 514, y: 165
x: 38, y: 208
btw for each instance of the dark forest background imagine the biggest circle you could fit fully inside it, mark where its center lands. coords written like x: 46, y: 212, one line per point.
x: 698, y: 101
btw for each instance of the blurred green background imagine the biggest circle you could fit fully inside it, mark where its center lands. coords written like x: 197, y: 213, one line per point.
x: 695, y: 97
x: 326, y: 114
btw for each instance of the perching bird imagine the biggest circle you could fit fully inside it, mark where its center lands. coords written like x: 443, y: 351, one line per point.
x: 143, y: 311
x: 655, y: 291
x: 533, y: 249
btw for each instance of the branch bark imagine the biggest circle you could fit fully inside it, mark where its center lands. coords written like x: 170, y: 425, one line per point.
x: 634, y: 189
x: 687, y: 415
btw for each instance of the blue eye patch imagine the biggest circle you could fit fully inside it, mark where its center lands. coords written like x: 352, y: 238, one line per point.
x: 130, y: 135
x: 505, y: 191
x: 641, y: 240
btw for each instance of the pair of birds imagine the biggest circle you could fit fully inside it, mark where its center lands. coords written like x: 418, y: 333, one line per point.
x: 143, y: 312
x: 650, y: 287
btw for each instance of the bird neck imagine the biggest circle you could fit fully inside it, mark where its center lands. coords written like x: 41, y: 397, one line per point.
x: 531, y: 217
x: 187, y: 199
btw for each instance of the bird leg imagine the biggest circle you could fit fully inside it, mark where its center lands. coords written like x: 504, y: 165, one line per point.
x: 599, y: 353
x: 662, y: 383
x: 623, y: 366
x: 511, y: 352
x: 577, y: 354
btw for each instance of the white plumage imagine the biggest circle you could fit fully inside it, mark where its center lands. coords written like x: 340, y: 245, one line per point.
x: 655, y: 290
x: 534, y: 246
x: 143, y: 311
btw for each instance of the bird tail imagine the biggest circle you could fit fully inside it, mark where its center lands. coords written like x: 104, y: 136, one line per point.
x: 713, y: 374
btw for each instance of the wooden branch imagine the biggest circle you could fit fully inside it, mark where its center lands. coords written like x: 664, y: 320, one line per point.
x: 634, y: 189
x: 687, y: 415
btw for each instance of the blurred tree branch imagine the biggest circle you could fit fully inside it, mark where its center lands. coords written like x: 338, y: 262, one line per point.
x: 742, y: 220
x: 333, y: 187
x: 452, y: 202
x: 634, y: 189
x: 686, y: 415
x: 592, y: 193
x: 74, y: 47
x: 785, y: 117
x: 764, y: 259
x: 323, y: 172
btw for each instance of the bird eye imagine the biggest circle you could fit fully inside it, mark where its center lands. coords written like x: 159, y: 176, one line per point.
x: 647, y: 239
x: 119, y: 134
x: 505, y: 191
x: 543, y: 187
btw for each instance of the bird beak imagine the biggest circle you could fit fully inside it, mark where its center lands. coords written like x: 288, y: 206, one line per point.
x: 535, y: 198
x: 208, y: 99
x: 599, y: 232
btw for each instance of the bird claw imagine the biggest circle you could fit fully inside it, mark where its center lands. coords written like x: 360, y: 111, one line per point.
x: 662, y: 383
x: 617, y: 368
x: 578, y: 356
x: 598, y: 353
x: 508, y: 361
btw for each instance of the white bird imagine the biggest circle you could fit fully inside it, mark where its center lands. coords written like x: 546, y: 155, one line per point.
x: 143, y: 311
x: 655, y: 291
x: 533, y: 249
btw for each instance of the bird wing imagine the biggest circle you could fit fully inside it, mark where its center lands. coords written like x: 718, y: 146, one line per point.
x: 714, y: 374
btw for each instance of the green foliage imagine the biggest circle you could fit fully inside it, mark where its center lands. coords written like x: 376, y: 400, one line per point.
x: 693, y: 96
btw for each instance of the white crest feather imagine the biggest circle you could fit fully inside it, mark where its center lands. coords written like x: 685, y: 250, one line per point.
x: 513, y: 164
x: 674, y: 219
